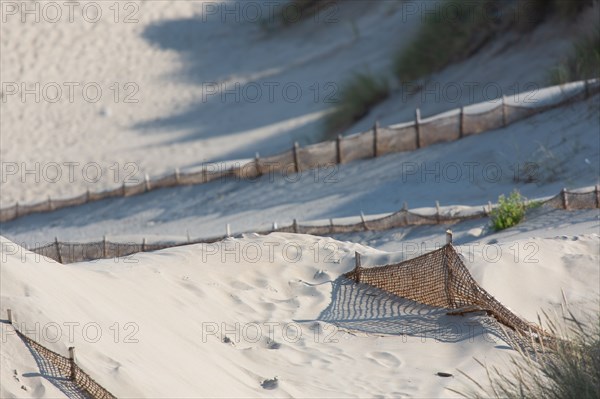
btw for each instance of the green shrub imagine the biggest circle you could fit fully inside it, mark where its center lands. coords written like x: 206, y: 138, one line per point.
x: 582, y: 63
x: 568, y: 370
x: 356, y: 98
x: 509, y: 212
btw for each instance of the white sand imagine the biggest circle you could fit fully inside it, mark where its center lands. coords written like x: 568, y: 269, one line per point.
x: 176, y: 297
x: 174, y: 51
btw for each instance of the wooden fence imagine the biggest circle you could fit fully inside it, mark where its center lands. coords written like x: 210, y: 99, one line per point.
x: 63, y: 367
x: 70, y: 252
x: 378, y: 141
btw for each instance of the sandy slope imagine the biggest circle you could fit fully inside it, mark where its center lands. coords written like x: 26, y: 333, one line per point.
x: 172, y: 51
x: 179, y: 298
x: 563, y: 143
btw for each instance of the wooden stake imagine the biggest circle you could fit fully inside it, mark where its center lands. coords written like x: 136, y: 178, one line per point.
x: 418, y: 127
x: 357, y: 266
x: 58, y: 250
x: 461, y: 131
x: 258, y: 167
x: 364, y: 222
x: 338, y: 148
x: 72, y: 362
x: 503, y: 111
x: 296, y: 161
x: 375, y: 134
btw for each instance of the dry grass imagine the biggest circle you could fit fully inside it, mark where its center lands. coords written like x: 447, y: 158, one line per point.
x: 570, y: 370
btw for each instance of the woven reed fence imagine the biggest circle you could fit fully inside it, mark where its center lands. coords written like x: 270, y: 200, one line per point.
x: 70, y: 252
x: 441, y: 279
x: 378, y: 141
x: 65, y: 367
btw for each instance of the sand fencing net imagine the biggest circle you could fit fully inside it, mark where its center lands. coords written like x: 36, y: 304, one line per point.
x: 64, y: 372
x: 441, y: 279
x: 377, y: 141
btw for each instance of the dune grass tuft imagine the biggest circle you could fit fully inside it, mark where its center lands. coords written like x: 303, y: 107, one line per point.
x: 355, y: 99
x: 582, y: 63
x: 569, y: 370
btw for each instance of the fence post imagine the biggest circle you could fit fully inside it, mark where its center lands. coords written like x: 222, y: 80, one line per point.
x: 565, y: 200
x: 417, y: 126
x: 461, y: 129
x: 296, y: 160
x: 364, y: 222
x: 597, y: 190
x: 72, y: 362
x: 375, y: 134
x: 58, y: 250
x: 503, y: 111
x: 437, y: 211
x: 338, y: 148
x: 104, y: 246
x: 10, y: 319
x: 295, y: 226
x: 448, y: 236
x: 357, y: 266
x: 257, y: 161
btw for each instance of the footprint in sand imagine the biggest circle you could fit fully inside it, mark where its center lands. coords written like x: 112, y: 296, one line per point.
x: 384, y: 359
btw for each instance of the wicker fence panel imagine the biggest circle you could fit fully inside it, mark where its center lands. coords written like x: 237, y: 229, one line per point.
x: 317, y: 155
x: 63, y: 203
x: 439, y: 130
x: 480, y: 122
x: 77, y: 252
x: 279, y: 162
x: 358, y: 146
x: 67, y: 369
x: 396, y: 139
x: 365, y: 145
x: 9, y: 213
x: 440, y: 278
x: 134, y: 189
